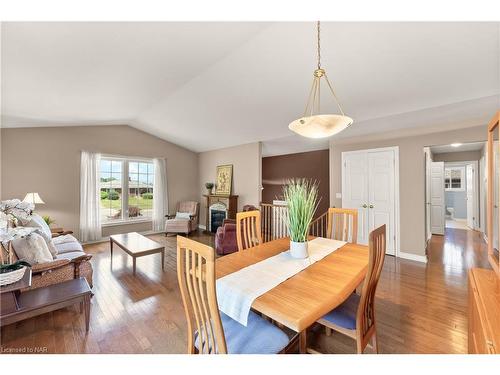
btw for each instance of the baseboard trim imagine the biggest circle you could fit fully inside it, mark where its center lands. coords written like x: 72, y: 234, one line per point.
x: 415, y: 257
x: 202, y: 227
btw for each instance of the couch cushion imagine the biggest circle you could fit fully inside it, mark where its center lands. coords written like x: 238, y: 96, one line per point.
x: 67, y: 247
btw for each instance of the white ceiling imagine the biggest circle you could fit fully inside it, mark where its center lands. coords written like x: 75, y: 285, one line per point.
x: 212, y: 85
x: 473, y: 146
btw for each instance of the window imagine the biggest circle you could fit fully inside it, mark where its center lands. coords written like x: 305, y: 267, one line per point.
x: 126, y: 189
x: 454, y: 179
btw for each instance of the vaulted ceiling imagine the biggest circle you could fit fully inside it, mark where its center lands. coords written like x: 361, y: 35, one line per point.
x: 211, y: 85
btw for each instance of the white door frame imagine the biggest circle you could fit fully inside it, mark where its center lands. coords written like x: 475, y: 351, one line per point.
x: 482, y: 194
x: 397, y: 231
x: 427, y: 193
x: 475, y: 204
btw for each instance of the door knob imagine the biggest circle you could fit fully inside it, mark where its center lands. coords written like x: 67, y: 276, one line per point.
x: 371, y: 205
x: 364, y: 206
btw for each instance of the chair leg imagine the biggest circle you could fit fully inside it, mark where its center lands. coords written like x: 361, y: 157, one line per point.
x: 358, y: 347
x: 374, y: 342
x: 303, y: 342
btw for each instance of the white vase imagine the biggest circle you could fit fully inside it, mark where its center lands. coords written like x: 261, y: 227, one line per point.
x: 298, y: 249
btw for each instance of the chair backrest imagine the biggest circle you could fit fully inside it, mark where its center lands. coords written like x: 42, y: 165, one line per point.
x: 365, y: 318
x: 248, y: 230
x: 342, y: 224
x: 196, y: 274
x: 189, y: 207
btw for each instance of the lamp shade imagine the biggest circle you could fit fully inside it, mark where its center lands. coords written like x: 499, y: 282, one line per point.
x: 320, y: 126
x: 33, y: 198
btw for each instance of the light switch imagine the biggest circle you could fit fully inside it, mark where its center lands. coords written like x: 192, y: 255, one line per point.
x: 338, y: 195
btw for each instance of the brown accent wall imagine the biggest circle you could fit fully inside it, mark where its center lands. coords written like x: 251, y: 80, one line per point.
x: 47, y: 161
x: 313, y: 165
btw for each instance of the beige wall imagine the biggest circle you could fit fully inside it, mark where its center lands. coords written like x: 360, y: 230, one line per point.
x: 458, y: 156
x: 411, y: 177
x: 47, y: 160
x: 246, y: 161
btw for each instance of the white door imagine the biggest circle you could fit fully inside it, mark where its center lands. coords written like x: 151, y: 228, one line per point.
x: 437, y: 197
x: 368, y: 184
x: 355, y: 190
x: 470, y: 178
x: 381, y: 199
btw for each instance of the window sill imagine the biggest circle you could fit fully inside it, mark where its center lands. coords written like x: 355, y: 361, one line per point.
x: 125, y: 222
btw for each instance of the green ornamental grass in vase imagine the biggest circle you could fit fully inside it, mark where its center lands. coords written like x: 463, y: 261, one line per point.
x: 301, y: 196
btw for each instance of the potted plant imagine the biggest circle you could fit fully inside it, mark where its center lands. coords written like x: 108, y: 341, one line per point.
x: 301, y: 196
x: 209, y: 186
x: 48, y: 220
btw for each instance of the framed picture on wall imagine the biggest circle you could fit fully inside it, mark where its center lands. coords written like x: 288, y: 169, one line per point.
x: 224, y: 179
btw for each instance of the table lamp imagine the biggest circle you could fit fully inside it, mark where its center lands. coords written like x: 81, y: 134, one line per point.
x: 33, y: 198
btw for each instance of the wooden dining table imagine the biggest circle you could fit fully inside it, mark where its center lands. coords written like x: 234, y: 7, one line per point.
x: 302, y: 299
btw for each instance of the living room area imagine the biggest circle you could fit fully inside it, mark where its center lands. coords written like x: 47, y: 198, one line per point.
x: 164, y: 191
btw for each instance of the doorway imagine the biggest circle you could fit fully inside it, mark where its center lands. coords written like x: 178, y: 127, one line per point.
x: 453, y: 190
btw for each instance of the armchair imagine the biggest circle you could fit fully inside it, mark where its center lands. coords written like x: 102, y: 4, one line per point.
x: 187, y: 224
x: 225, y: 238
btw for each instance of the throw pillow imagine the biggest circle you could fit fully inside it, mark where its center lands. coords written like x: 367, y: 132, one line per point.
x: 32, y: 248
x: 38, y: 222
x: 182, y: 215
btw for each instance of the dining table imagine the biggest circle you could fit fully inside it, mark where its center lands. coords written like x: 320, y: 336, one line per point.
x: 305, y: 297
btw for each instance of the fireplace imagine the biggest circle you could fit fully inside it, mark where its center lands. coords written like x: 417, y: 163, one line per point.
x: 216, y: 216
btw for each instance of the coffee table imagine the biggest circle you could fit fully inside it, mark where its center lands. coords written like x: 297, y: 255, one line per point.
x: 136, y: 245
x: 16, y: 306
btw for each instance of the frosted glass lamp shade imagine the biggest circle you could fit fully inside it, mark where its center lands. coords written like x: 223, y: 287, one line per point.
x: 33, y: 198
x: 320, y: 126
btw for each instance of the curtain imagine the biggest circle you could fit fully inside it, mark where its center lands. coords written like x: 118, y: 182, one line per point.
x: 160, y: 199
x: 90, y: 219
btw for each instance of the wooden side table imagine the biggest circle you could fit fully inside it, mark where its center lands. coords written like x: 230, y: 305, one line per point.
x: 16, y: 306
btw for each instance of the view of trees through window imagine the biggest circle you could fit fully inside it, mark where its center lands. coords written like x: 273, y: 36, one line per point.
x: 126, y: 189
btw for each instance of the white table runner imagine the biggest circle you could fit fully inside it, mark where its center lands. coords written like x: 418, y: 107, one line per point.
x: 237, y: 291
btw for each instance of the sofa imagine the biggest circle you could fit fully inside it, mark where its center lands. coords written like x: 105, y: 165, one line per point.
x: 70, y: 262
x: 185, y: 220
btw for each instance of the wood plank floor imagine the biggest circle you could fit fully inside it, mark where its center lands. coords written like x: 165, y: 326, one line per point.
x: 421, y: 308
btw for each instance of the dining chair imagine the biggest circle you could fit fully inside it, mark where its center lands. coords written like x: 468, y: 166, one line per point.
x: 342, y: 224
x: 248, y: 229
x: 209, y: 330
x: 356, y: 316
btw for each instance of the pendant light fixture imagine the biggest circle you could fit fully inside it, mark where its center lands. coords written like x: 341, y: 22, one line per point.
x: 313, y: 124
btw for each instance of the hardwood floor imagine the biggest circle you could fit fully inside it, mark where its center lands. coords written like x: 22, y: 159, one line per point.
x: 421, y: 308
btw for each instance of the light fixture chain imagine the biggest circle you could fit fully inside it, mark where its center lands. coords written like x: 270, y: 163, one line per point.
x: 319, y: 46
